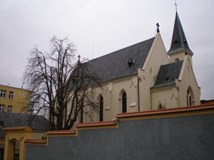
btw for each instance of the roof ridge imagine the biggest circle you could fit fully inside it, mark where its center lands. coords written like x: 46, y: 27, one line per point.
x: 120, y: 49
x: 116, y: 64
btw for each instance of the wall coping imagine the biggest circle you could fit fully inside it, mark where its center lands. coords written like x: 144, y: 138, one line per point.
x: 23, y: 128
x: 61, y: 132
x: 181, y: 111
x: 36, y: 141
x: 96, y: 124
x: 197, y: 108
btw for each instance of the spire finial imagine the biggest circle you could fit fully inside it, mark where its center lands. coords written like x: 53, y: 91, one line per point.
x: 79, y: 58
x: 176, y: 6
x: 158, y: 26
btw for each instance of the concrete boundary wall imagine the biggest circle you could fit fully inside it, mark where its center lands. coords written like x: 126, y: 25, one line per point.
x: 169, y: 134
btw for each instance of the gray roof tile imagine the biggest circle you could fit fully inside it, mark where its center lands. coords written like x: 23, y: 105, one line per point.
x: 16, y: 119
x: 168, y: 74
x: 115, y: 65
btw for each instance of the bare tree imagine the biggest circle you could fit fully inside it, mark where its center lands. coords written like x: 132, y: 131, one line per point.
x: 60, y: 85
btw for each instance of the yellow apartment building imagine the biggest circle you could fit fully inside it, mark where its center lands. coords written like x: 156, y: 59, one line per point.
x: 13, y: 99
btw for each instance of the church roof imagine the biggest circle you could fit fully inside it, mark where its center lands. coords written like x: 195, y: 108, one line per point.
x: 168, y: 74
x: 16, y: 119
x: 121, y: 63
x: 179, y: 41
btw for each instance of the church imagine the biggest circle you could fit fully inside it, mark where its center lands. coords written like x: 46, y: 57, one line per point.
x: 144, y: 77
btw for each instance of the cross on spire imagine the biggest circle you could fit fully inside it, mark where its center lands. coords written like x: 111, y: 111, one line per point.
x: 176, y: 6
x: 158, y: 30
x: 79, y: 57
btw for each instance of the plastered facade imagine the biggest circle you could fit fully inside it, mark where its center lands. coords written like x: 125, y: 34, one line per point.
x: 138, y: 87
x: 16, y: 98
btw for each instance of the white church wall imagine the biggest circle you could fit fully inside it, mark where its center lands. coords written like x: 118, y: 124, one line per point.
x: 157, y: 57
x: 164, y: 97
x: 187, y: 80
x: 179, y: 56
x: 111, y: 93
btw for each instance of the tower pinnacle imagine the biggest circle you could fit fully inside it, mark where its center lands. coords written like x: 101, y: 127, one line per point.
x: 179, y: 41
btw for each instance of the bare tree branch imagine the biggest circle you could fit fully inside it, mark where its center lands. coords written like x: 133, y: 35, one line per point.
x: 59, y: 84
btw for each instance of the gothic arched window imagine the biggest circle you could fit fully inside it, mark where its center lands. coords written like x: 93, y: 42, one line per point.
x: 101, y: 108
x: 189, y: 97
x: 124, y: 102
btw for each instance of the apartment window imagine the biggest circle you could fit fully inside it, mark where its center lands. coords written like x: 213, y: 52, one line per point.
x: 2, y: 93
x: 9, y: 108
x: 10, y: 95
x: 1, y: 107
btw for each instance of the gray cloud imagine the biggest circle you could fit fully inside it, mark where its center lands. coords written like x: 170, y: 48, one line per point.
x: 105, y: 26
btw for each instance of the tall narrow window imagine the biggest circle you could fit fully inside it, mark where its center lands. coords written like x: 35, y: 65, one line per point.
x: 10, y: 95
x: 1, y: 107
x: 81, y: 115
x: 2, y: 93
x: 101, y: 108
x: 124, y: 102
x: 9, y: 108
x: 189, y: 97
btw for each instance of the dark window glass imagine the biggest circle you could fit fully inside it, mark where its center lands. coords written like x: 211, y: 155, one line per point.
x: 124, y: 102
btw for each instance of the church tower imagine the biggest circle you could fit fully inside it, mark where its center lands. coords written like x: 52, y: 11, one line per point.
x: 179, y: 46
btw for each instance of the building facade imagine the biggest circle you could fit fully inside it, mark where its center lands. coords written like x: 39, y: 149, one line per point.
x: 14, y: 99
x: 145, y: 77
x: 15, y: 128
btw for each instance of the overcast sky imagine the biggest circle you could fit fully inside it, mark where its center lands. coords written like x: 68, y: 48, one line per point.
x: 98, y: 27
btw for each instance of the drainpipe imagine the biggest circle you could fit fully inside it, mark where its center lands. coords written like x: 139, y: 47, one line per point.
x: 138, y: 93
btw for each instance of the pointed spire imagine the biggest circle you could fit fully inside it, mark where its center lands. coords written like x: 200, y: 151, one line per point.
x: 179, y: 41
